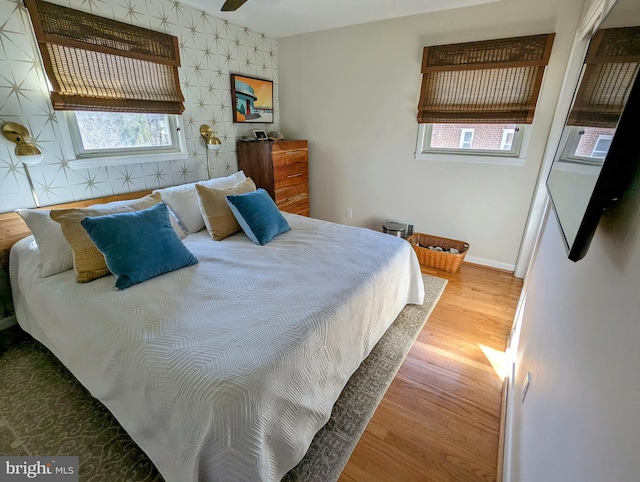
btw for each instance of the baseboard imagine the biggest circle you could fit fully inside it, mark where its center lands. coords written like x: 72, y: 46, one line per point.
x: 508, y: 401
x: 503, y: 427
x: 490, y: 263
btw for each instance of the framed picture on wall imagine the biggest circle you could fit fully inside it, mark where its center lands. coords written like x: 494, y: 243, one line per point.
x: 252, y: 99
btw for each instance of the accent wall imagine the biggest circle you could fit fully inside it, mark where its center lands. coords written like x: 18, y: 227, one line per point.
x: 210, y: 49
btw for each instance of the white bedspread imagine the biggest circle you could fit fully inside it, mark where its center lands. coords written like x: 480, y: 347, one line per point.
x: 226, y: 370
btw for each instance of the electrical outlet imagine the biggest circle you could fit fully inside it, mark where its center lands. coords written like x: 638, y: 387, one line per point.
x: 349, y: 213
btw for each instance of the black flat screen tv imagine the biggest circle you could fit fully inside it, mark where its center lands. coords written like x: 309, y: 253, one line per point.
x: 592, y: 168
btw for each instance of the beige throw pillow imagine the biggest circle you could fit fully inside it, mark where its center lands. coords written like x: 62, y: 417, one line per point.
x: 88, y: 262
x: 183, y: 200
x: 219, y: 219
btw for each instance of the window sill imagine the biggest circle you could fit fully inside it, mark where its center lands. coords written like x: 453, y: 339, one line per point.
x: 469, y: 158
x: 123, y: 160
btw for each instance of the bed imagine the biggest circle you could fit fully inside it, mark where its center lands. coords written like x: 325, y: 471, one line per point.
x: 225, y: 369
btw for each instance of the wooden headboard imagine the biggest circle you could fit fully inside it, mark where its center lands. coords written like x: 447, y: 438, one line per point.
x: 13, y: 228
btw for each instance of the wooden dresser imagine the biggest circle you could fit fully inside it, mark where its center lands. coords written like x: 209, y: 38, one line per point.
x: 281, y: 168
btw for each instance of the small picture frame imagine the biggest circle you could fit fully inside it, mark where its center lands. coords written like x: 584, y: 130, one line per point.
x: 260, y: 135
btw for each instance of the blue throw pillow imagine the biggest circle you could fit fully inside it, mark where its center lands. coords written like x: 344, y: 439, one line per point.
x: 258, y: 216
x: 138, y: 245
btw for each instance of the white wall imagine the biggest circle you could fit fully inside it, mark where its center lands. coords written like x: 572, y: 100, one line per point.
x: 580, y: 337
x: 353, y: 93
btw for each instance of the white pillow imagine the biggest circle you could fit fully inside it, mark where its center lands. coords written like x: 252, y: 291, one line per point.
x: 183, y: 199
x: 56, y: 254
x: 224, y: 182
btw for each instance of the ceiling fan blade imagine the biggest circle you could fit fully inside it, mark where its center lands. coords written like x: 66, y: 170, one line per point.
x: 232, y: 5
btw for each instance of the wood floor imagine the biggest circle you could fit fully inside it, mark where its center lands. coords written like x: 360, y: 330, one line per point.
x: 440, y: 418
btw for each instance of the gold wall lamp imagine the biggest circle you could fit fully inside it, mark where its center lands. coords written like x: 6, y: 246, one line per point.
x: 212, y: 143
x: 26, y: 151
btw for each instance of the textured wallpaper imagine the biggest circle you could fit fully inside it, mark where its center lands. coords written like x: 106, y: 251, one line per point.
x: 210, y: 49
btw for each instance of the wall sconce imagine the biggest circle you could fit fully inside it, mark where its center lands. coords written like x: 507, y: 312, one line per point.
x: 212, y: 143
x: 26, y: 151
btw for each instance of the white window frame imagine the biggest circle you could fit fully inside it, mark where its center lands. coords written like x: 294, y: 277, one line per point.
x: 463, y: 141
x: 79, y: 158
x: 601, y: 137
x: 569, y: 142
x: 505, y: 137
x: 513, y: 157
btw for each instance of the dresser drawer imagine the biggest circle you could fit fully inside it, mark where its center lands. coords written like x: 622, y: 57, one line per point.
x: 298, y: 204
x: 290, y: 174
x: 282, y: 146
x: 286, y: 192
x: 285, y: 158
x: 293, y: 199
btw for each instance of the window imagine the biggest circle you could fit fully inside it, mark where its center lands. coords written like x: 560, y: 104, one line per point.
x: 482, y: 94
x: 602, y: 146
x: 611, y: 65
x: 492, y: 139
x: 93, y: 138
x: 121, y: 137
x: 466, y: 138
x: 116, y: 83
x: 587, y: 145
x: 99, y: 131
x: 507, y: 138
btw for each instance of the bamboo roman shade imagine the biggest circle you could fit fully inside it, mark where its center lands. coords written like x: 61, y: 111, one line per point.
x: 487, y: 82
x: 94, y: 63
x: 611, y: 65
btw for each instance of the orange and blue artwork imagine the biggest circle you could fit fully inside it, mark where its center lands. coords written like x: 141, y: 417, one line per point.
x: 252, y: 99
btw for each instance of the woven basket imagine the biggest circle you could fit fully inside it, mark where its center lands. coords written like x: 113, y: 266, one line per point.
x: 430, y: 258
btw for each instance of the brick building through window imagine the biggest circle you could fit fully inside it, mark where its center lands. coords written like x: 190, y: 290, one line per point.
x: 483, y: 137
